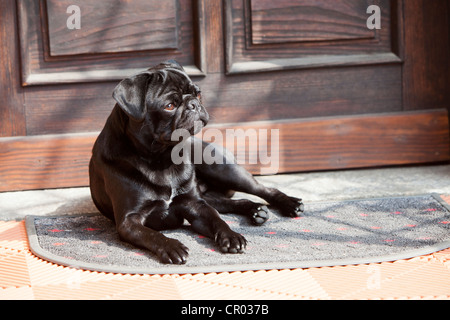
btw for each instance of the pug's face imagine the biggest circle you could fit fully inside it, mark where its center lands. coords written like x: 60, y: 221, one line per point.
x: 159, y: 101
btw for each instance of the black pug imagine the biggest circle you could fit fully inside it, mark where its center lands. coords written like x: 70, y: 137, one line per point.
x: 134, y: 181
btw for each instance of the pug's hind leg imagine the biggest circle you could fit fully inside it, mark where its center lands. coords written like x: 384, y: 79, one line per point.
x: 256, y: 212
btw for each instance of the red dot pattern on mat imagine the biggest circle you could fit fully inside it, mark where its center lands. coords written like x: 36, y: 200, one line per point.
x: 355, y: 242
x: 137, y: 254
x: 57, y: 244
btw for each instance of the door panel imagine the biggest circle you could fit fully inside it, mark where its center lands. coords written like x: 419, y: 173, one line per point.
x: 277, y: 35
x: 108, y: 46
x: 111, y: 26
x: 307, y: 21
x: 309, y: 93
x: 319, y: 54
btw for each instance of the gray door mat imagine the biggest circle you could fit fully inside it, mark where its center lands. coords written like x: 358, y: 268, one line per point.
x: 327, y: 234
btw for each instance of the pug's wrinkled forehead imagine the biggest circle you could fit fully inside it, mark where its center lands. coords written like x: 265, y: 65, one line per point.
x: 168, y: 76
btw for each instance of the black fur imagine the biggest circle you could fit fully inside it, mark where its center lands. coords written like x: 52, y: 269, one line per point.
x: 135, y: 183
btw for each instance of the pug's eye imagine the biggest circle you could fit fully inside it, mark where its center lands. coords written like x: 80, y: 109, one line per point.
x: 170, y: 107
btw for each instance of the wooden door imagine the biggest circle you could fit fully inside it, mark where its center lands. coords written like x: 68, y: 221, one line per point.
x: 346, y: 84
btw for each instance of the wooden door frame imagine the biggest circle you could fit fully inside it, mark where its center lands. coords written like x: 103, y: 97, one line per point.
x: 421, y: 131
x: 12, y: 107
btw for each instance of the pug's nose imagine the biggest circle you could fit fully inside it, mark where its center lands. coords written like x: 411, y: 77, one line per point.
x: 193, y: 105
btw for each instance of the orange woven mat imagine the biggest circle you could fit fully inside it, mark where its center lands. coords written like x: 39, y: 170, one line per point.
x: 24, y: 276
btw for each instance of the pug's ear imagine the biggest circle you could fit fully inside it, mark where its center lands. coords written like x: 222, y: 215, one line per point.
x: 130, y: 95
